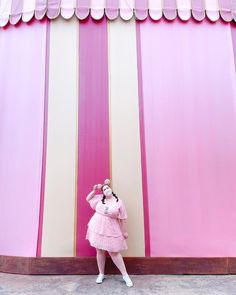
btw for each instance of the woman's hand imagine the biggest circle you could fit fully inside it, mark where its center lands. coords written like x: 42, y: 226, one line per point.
x: 97, y: 186
x: 123, y: 228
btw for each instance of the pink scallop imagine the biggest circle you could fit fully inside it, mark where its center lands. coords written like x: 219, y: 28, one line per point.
x: 198, y: 15
x: 112, y: 13
x: 170, y: 14
x: 82, y: 12
x: 39, y: 14
x: 141, y: 14
x: 53, y: 12
x: 226, y: 15
x: 14, y: 19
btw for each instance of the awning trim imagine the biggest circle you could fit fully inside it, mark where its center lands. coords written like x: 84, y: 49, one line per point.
x: 14, y: 10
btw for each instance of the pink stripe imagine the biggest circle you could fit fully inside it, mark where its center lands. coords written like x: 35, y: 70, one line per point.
x: 170, y: 9
x: 233, y: 8
x: 21, y: 135
x: 53, y: 8
x: 233, y: 35
x: 142, y: 139
x: 190, y: 137
x: 16, y: 11
x: 198, y: 9
x: 41, y: 210
x: 141, y: 9
x: 225, y: 10
x: 112, y: 9
x: 82, y: 8
x: 40, y: 8
x: 93, y: 125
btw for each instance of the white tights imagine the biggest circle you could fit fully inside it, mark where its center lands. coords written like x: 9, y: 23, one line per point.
x: 116, y: 258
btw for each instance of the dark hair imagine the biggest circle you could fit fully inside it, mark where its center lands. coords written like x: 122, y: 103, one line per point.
x: 104, y: 197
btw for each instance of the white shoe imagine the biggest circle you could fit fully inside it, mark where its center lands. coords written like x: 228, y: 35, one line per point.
x: 127, y: 280
x: 100, y: 278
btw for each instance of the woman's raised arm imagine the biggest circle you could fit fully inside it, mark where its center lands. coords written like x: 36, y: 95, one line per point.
x: 91, y: 194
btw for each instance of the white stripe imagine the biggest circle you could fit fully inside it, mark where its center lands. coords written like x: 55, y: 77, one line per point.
x: 68, y: 4
x: 126, y: 8
x: 184, y: 4
x: 28, y: 9
x: 155, y: 9
x: 212, y: 9
x: 124, y: 128
x: 60, y: 184
x: 184, y: 9
x: 28, y: 5
x: 97, y: 10
x: 5, y: 10
x: 212, y: 5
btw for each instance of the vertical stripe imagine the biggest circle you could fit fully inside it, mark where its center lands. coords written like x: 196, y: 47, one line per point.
x: 189, y: 96
x: 233, y: 36
x: 142, y: 141
x: 60, y: 182
x: 40, y: 228
x: 124, y: 125
x: 93, y: 136
x: 22, y: 56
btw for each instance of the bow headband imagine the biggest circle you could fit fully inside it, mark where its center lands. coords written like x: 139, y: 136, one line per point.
x: 106, y: 181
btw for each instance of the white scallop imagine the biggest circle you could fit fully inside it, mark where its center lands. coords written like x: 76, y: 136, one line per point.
x: 184, y: 9
x: 212, y: 9
x: 126, y: 9
x: 97, y: 8
x: 5, y: 10
x: 68, y: 8
x: 28, y: 10
x: 155, y: 9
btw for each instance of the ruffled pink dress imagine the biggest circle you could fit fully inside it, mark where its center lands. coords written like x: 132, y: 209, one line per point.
x: 104, y: 228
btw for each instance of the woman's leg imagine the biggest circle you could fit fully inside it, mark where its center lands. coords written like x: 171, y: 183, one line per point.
x: 101, y: 259
x: 119, y: 262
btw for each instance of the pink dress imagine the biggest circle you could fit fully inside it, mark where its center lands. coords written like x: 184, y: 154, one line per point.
x: 104, y: 229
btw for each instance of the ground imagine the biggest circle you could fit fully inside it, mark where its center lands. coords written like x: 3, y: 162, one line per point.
x: 114, y: 285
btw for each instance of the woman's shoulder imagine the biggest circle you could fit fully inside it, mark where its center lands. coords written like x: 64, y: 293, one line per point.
x: 120, y: 201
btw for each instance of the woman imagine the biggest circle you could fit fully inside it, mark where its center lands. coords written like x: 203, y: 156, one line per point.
x: 106, y: 229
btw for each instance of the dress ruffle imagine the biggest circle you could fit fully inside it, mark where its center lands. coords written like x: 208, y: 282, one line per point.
x: 108, y: 243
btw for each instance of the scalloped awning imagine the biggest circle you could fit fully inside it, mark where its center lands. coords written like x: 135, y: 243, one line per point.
x: 14, y: 10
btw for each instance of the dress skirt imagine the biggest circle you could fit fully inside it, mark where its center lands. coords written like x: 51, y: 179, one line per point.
x: 104, y: 242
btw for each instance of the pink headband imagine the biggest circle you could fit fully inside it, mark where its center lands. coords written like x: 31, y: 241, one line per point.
x: 106, y: 181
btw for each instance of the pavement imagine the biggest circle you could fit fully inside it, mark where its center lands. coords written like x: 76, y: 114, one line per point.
x: 114, y: 285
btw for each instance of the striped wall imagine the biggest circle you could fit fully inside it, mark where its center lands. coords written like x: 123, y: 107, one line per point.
x: 135, y: 102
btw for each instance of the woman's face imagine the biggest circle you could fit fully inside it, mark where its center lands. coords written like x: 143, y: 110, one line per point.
x: 107, y: 190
